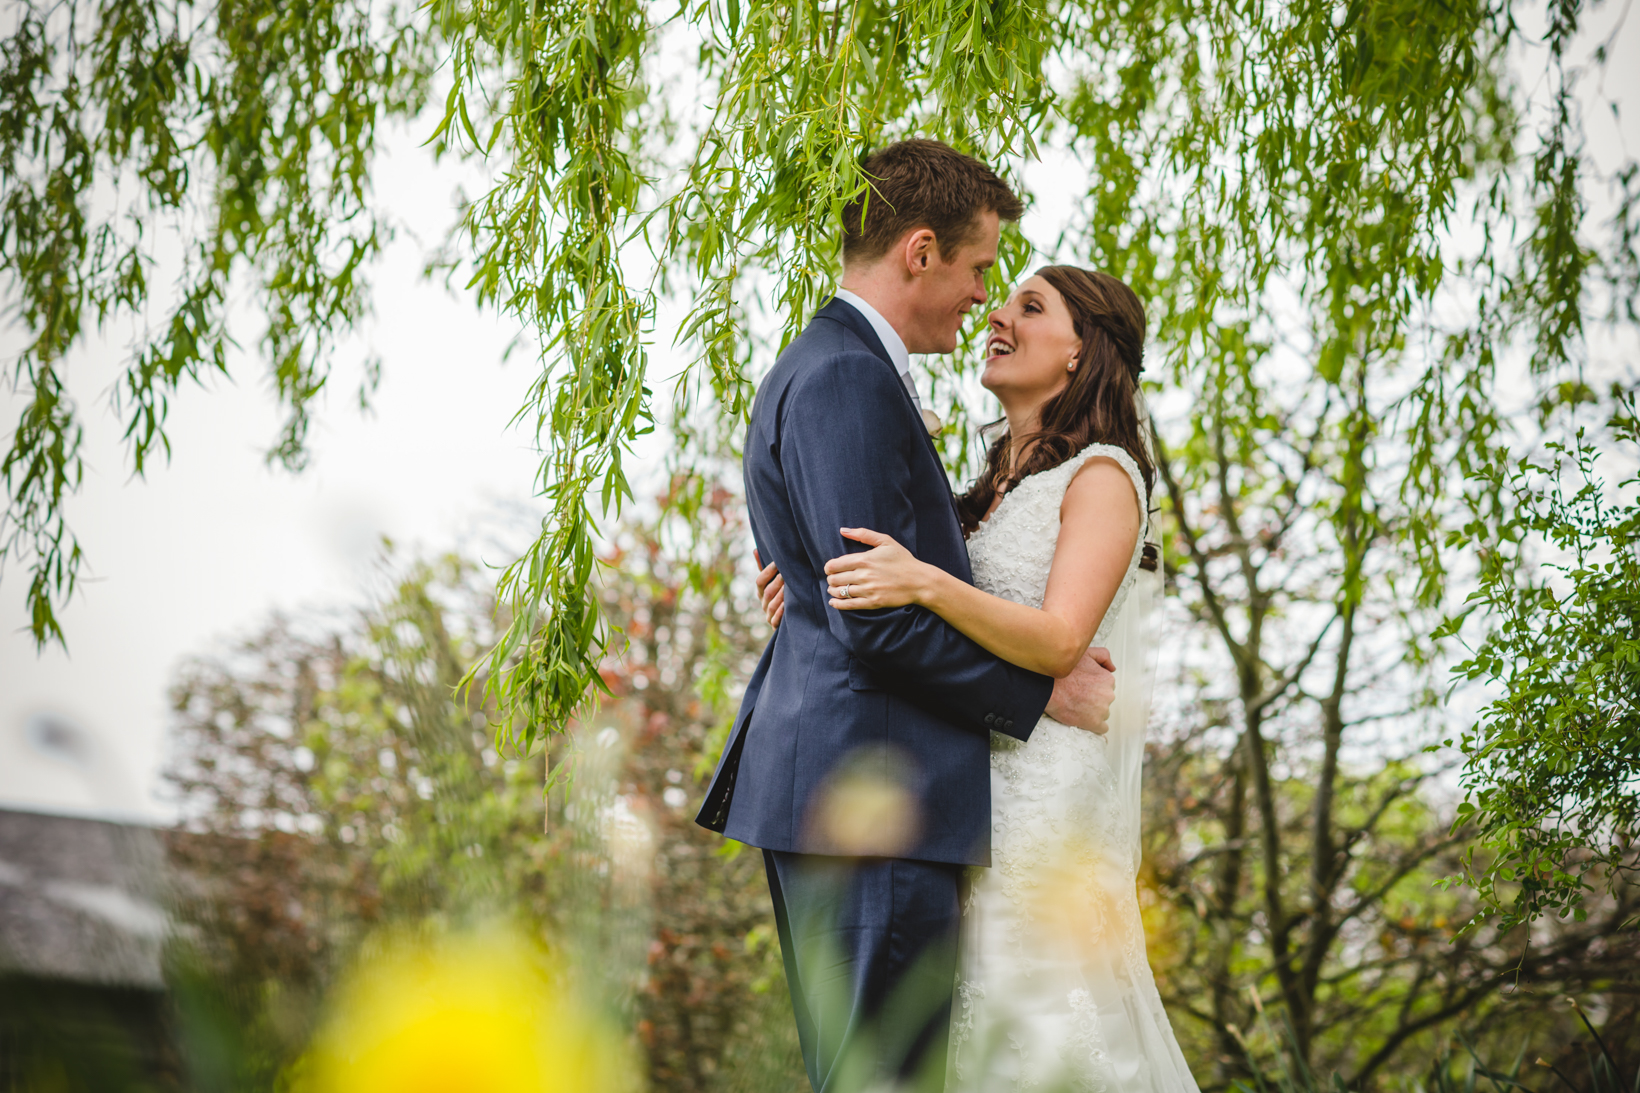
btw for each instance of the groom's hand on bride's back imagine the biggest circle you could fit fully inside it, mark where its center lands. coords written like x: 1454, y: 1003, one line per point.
x: 771, y: 591
x: 1084, y: 697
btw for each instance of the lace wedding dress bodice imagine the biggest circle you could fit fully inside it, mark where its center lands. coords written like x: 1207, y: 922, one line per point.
x: 1055, y: 992
x: 1012, y: 552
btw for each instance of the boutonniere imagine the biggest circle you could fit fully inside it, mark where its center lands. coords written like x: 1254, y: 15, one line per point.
x: 932, y: 422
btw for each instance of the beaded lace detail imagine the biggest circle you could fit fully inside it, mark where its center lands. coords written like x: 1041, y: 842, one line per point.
x: 1012, y: 552
x: 1055, y: 991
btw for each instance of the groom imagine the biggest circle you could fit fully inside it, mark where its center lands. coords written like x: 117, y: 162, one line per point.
x: 860, y: 759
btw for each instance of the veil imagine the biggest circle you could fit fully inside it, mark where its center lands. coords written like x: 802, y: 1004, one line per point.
x: 1132, y: 644
x: 1133, y: 648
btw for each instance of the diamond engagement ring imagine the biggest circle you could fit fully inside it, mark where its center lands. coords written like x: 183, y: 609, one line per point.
x: 848, y: 592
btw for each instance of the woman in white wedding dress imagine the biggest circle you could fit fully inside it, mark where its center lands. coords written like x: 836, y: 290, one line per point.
x: 1054, y: 992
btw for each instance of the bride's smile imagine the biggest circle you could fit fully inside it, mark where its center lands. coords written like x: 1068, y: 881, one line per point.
x: 1032, y: 347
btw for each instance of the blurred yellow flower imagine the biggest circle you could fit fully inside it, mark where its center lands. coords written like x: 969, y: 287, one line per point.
x: 866, y: 808
x: 480, y: 1013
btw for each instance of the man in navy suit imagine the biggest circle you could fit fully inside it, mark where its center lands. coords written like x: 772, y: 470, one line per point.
x: 859, y: 761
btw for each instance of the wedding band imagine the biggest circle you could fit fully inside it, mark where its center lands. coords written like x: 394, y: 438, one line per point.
x: 848, y: 592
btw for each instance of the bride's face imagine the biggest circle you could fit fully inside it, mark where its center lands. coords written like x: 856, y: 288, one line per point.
x: 1031, y: 346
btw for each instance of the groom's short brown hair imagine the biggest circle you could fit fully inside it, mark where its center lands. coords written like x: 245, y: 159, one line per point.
x: 922, y: 184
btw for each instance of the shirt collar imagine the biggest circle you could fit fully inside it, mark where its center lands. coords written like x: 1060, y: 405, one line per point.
x: 885, y: 333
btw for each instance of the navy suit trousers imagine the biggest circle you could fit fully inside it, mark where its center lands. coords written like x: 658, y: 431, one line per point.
x: 870, y: 950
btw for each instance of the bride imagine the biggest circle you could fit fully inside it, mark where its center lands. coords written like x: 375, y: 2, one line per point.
x: 1054, y: 991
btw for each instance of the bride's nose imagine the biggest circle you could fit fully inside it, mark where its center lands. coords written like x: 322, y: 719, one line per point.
x: 994, y: 320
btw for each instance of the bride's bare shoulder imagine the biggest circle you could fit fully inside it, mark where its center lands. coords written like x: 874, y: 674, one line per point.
x: 1101, y: 486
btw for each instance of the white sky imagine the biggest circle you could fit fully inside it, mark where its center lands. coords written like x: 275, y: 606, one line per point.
x: 205, y: 549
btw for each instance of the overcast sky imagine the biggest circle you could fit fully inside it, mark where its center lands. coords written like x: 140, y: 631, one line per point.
x: 205, y: 549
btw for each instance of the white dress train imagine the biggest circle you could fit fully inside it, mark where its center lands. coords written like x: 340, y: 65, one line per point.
x: 1054, y: 992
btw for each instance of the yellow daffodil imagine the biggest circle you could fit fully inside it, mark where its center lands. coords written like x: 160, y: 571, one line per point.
x: 482, y: 1013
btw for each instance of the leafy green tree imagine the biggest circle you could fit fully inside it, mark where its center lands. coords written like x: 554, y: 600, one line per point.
x: 1552, y: 763
x: 331, y: 784
x: 1307, y: 690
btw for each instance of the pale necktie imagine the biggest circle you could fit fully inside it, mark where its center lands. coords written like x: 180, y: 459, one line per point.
x: 931, y: 420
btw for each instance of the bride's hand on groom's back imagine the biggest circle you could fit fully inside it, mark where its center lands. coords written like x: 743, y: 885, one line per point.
x: 1083, y: 698
x: 771, y: 591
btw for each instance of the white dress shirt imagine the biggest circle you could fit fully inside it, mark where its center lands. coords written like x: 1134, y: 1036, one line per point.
x: 890, y: 338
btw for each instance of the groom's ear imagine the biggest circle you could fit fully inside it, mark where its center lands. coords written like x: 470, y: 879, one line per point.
x: 920, y: 248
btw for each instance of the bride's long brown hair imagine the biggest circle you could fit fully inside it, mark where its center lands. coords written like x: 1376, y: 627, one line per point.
x: 1097, y: 406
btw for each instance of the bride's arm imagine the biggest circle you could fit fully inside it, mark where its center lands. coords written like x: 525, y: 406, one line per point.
x: 1099, y: 523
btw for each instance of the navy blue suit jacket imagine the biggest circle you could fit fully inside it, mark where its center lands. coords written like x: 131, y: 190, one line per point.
x: 835, y: 441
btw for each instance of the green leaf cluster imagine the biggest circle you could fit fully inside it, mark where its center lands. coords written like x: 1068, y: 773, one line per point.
x: 1553, y: 763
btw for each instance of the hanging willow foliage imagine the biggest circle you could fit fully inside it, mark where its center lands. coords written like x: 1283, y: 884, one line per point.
x: 248, y: 125
x: 1352, y: 163
x: 1232, y: 152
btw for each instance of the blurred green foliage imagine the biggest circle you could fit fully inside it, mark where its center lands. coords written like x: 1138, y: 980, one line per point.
x: 332, y: 785
x: 338, y: 783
